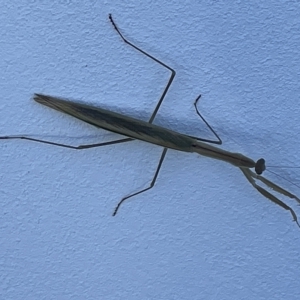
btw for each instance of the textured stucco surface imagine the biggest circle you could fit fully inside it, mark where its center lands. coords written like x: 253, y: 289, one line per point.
x: 203, y: 232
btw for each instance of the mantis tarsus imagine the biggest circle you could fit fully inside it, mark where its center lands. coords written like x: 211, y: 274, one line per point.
x: 168, y: 139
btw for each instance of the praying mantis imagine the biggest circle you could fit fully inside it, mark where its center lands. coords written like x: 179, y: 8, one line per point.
x: 134, y: 129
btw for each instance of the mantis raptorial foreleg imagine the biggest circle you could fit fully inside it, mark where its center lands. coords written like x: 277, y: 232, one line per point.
x: 251, y: 176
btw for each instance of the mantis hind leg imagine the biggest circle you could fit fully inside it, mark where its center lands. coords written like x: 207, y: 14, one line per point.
x: 149, y: 187
x: 80, y: 147
x: 173, y: 73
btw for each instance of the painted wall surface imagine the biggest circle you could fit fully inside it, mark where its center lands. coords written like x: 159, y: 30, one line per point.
x: 202, y: 232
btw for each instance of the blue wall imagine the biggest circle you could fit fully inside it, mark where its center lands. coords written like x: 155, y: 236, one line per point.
x: 202, y: 232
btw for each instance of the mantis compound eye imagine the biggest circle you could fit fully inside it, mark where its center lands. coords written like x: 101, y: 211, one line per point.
x: 260, y: 166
